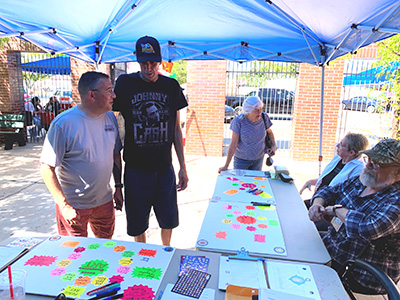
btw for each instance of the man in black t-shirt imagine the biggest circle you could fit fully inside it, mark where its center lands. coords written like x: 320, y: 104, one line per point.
x: 150, y: 104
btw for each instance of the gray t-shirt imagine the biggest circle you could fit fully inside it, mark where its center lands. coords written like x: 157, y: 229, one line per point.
x: 251, y: 144
x: 83, y: 148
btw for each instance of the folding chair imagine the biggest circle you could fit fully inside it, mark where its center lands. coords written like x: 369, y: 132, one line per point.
x: 392, y: 291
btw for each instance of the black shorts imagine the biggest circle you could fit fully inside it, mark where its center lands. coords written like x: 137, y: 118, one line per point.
x: 144, y: 190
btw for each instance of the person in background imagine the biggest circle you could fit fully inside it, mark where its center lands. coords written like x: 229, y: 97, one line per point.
x: 53, y: 106
x: 84, y: 145
x: 345, y: 164
x: 149, y: 175
x: 248, y: 137
x: 365, y: 217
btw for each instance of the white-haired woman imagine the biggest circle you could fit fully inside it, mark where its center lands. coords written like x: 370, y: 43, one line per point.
x: 248, y: 137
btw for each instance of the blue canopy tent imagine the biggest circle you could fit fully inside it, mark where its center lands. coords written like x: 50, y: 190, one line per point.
x: 59, y: 65
x: 374, y: 76
x: 103, y: 31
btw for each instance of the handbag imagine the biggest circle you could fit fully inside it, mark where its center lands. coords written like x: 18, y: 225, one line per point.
x: 268, y: 142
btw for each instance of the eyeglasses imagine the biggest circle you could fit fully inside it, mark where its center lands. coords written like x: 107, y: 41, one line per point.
x: 375, y: 165
x: 109, y: 90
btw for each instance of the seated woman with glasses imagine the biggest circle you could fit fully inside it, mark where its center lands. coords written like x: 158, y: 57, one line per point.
x: 347, y: 163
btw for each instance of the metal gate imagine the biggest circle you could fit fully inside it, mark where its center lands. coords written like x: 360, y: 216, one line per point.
x: 47, y: 90
x: 365, y: 102
x: 274, y: 83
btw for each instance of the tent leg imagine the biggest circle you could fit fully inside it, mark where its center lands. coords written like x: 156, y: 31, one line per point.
x: 321, y: 119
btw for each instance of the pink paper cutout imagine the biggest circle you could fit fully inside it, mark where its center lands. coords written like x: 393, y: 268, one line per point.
x: 148, y: 252
x: 74, y: 256
x: 79, y: 249
x: 232, y: 178
x: 262, y: 226
x: 249, y: 185
x: 41, y: 260
x: 221, y: 235
x: 237, y: 212
x: 116, y: 279
x: 260, y: 238
x: 251, y: 228
x: 227, y: 206
x: 138, y: 292
x: 246, y: 219
x: 58, y: 272
x: 123, y: 269
x: 236, y: 226
x: 242, y: 189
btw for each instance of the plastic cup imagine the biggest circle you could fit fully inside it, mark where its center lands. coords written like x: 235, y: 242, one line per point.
x: 18, y: 285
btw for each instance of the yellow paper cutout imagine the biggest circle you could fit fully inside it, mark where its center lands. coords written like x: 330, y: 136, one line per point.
x: 71, y: 244
x: 265, y: 195
x: 260, y: 178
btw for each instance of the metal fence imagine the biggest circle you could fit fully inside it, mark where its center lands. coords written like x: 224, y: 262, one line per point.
x: 365, y: 102
x: 274, y: 83
x: 47, y: 90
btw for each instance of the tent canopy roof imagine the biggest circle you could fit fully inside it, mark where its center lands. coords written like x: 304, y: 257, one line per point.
x: 312, y: 31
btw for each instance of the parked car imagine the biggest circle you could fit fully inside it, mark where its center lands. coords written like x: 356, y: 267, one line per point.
x: 360, y: 103
x: 276, y: 101
x: 229, y: 114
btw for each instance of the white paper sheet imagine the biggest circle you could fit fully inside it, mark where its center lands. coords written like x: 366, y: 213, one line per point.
x: 242, y: 273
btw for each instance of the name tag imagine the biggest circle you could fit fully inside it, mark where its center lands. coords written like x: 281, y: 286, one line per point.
x: 336, y: 223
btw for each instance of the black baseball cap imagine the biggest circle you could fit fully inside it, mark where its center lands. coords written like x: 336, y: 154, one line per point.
x: 148, y: 49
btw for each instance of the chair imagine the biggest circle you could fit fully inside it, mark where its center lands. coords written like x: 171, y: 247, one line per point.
x: 392, y: 291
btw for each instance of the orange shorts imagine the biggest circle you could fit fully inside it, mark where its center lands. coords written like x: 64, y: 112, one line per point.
x: 101, y: 220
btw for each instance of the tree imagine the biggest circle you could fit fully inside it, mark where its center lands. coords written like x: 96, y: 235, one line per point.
x: 180, y: 69
x: 389, y: 52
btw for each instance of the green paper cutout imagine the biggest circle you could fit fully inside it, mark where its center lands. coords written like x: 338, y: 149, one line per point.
x: 273, y: 223
x: 229, y: 215
x: 250, y: 213
x: 235, y: 184
x: 68, y: 276
x: 73, y: 291
x: 147, y: 273
x: 128, y: 253
x: 94, y: 246
x: 109, y: 244
x: 93, y: 267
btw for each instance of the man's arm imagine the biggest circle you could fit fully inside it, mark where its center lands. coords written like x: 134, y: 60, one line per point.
x: 53, y: 185
x: 178, y: 144
x: 317, y: 210
x: 117, y: 171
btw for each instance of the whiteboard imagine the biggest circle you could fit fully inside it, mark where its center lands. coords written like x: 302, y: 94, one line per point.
x: 76, y: 265
x: 228, y: 227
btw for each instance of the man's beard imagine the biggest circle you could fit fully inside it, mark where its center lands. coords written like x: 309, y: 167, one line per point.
x: 368, y: 178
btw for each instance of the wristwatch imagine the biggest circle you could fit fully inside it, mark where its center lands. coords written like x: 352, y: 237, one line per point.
x: 119, y: 185
x: 335, y: 207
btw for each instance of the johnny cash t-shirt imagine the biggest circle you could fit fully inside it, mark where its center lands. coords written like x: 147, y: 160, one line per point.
x: 149, y: 110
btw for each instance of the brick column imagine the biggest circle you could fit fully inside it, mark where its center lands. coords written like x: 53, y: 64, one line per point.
x: 16, y: 82
x: 206, y: 82
x: 306, y: 117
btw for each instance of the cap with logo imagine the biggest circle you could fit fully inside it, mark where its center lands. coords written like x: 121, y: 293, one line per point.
x: 385, y: 152
x: 148, y: 49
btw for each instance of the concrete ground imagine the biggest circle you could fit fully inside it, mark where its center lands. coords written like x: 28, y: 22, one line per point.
x: 27, y: 208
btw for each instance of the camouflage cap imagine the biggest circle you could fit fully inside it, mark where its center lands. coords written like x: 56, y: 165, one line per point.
x: 385, y: 152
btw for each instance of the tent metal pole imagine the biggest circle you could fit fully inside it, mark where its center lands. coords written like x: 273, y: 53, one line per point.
x: 321, y: 118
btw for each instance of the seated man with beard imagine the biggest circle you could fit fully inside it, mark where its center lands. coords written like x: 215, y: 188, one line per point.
x: 365, y: 217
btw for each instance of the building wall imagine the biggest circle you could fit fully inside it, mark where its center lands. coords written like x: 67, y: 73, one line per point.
x: 205, y: 115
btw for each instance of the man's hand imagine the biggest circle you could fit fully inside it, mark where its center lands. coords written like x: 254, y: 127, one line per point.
x: 307, y: 185
x: 271, y: 151
x: 224, y: 168
x: 183, y: 180
x: 118, y: 199
x: 70, y: 215
x: 316, y: 212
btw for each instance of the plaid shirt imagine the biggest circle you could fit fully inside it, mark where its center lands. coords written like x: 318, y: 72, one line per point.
x: 371, y: 219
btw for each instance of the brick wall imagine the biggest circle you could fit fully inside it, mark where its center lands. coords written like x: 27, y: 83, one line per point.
x: 306, y: 116
x: 205, y: 116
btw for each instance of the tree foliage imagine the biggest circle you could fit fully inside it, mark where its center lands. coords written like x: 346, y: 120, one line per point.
x: 389, y: 52
x: 180, y: 70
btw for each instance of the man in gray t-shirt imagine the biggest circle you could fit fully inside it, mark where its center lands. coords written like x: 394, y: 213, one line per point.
x: 84, y: 145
